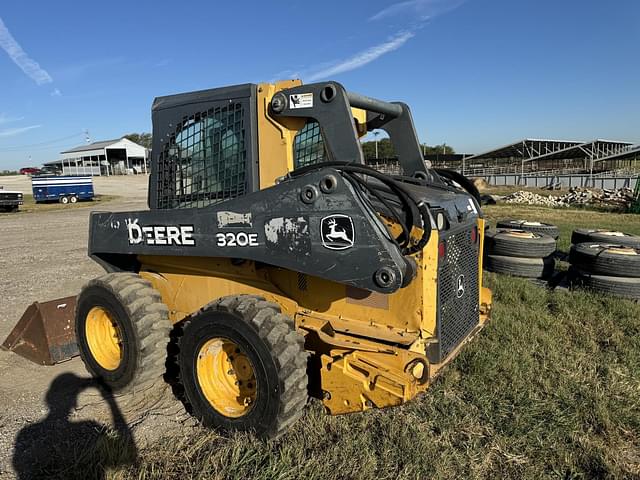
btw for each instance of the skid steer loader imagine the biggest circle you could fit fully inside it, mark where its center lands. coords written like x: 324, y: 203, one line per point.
x: 273, y: 264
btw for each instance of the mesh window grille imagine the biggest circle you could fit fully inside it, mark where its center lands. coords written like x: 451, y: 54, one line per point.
x: 308, y: 146
x: 205, y: 159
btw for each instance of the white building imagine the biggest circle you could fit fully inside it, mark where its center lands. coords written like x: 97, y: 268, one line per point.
x: 108, y: 157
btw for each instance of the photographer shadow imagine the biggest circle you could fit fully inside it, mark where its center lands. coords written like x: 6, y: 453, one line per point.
x: 57, y: 447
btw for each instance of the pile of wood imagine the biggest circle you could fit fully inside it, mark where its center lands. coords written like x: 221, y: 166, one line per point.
x: 619, y: 197
x: 616, y: 198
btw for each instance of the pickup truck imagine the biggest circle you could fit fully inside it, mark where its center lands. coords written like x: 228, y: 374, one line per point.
x: 10, y: 200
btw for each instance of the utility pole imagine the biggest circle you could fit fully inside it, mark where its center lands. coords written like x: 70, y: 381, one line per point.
x: 375, y: 134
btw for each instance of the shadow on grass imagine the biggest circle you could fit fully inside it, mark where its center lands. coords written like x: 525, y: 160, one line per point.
x: 57, y: 447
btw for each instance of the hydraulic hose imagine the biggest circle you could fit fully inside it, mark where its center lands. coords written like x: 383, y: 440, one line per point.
x: 355, y: 173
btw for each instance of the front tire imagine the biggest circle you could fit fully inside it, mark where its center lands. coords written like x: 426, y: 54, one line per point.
x: 122, y: 330
x: 243, y: 366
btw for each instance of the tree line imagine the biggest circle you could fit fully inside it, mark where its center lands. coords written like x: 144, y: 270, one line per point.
x: 143, y: 139
x: 385, y: 149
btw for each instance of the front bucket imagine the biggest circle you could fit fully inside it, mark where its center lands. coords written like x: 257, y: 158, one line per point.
x: 45, y: 334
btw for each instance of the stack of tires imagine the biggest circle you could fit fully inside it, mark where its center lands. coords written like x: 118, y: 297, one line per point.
x: 606, y: 261
x: 519, y: 252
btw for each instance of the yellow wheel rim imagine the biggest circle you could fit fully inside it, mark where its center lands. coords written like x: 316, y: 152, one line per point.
x: 104, y: 338
x: 226, y: 377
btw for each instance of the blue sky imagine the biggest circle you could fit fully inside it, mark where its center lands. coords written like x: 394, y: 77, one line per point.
x: 476, y: 73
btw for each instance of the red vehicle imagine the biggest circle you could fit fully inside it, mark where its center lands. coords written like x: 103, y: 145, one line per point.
x: 29, y: 171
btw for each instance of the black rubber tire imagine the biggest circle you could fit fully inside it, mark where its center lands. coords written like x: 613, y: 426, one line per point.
x: 520, y: 267
x: 73, y: 199
x: 275, y: 350
x: 597, y: 258
x: 143, y: 321
x: 546, y: 228
x: 64, y: 200
x: 585, y: 235
x: 500, y: 241
x: 621, y: 286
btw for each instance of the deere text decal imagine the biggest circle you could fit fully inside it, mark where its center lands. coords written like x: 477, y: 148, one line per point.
x: 160, y: 234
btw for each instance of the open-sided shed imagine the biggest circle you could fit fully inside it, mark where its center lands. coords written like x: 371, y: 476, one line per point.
x: 108, y: 157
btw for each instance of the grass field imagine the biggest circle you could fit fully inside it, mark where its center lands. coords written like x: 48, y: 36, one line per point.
x: 30, y: 205
x: 549, y: 389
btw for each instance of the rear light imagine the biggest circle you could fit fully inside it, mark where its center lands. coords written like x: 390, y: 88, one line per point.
x: 442, y: 249
x: 474, y: 234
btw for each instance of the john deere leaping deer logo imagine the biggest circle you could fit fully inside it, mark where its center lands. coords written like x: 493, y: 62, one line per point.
x: 337, y: 232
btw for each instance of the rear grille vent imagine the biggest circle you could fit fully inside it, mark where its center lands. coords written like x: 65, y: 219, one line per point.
x: 458, y: 291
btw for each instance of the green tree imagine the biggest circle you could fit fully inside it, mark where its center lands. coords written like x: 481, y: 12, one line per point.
x: 437, y: 149
x: 385, y: 149
x: 143, y: 139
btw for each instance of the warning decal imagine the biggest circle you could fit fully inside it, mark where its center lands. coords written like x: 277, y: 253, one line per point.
x: 301, y: 100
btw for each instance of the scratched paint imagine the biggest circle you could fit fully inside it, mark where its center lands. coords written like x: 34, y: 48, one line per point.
x: 288, y: 235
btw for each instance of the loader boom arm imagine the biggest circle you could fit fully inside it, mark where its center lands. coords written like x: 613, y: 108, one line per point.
x: 314, y: 224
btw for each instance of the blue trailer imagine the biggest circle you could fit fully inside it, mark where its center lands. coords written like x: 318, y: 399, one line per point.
x: 62, y: 189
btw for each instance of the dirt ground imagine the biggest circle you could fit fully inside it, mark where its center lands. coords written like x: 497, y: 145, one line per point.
x: 43, y: 256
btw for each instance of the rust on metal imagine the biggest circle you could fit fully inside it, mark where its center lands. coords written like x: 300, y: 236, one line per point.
x: 45, y: 334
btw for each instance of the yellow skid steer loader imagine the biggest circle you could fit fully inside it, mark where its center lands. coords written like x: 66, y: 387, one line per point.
x: 274, y: 264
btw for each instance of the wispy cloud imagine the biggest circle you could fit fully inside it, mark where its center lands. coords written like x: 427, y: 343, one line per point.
x: 424, y: 9
x: 362, y: 58
x: 29, y: 66
x: 414, y: 16
x: 5, y: 119
x: 12, y: 132
x: 56, y: 93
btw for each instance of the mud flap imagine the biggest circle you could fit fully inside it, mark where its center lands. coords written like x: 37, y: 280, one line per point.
x: 45, y: 334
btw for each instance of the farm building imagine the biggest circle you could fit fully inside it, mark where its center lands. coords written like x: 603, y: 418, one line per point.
x: 557, y: 156
x: 108, y: 157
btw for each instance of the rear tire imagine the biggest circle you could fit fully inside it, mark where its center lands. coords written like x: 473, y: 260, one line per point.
x: 264, y: 389
x: 591, y: 235
x: 73, y: 199
x: 64, y: 200
x: 620, y: 286
x: 528, y: 226
x: 518, y: 243
x: 606, y: 259
x: 122, y: 330
x: 520, y: 267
